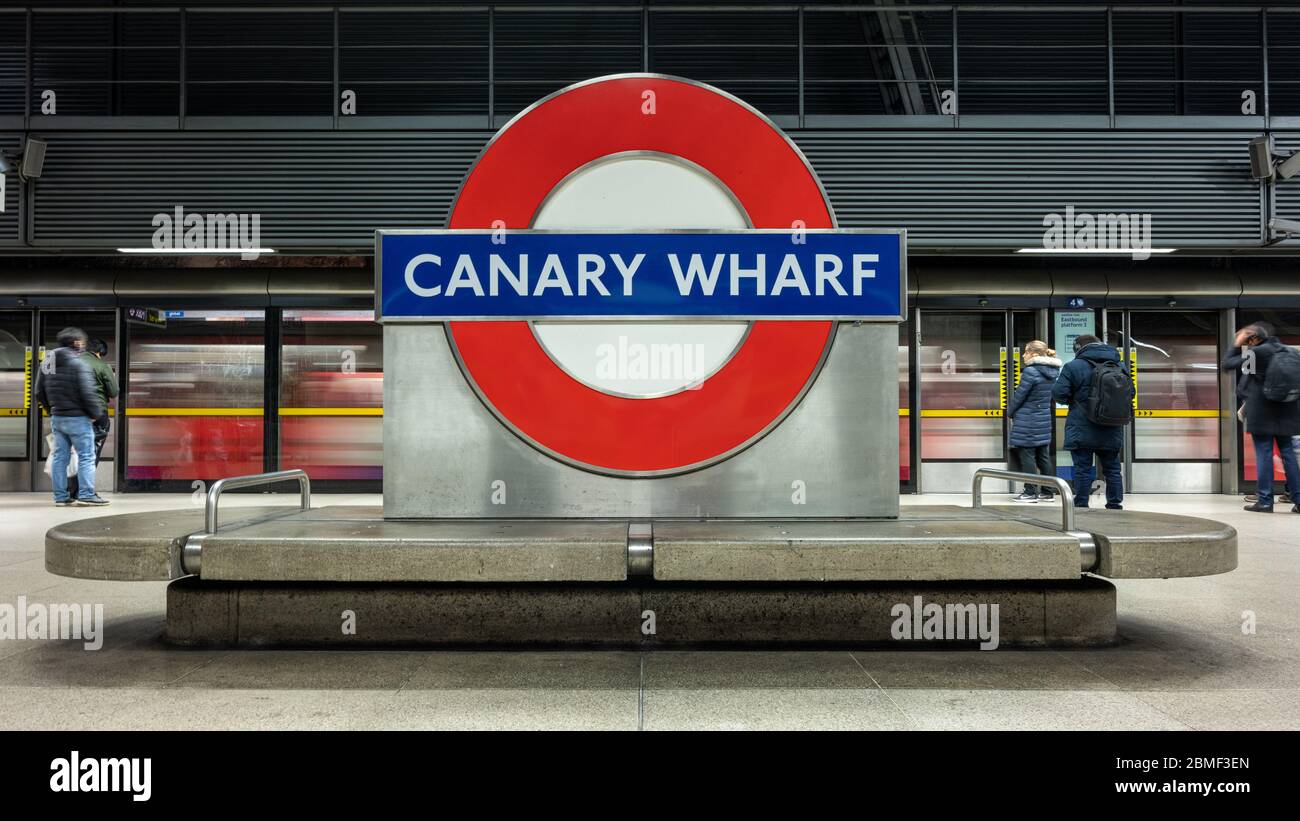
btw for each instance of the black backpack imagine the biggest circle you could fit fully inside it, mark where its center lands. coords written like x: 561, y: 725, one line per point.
x: 1282, y: 382
x: 1111, y: 400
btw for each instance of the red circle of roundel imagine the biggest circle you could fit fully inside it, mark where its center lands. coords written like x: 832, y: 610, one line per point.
x: 538, y: 399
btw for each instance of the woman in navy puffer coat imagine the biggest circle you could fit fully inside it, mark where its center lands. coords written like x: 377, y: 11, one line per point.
x: 1031, y: 411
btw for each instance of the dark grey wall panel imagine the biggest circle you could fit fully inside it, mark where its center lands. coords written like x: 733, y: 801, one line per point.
x: 90, y: 286
x: 955, y: 189
x: 994, y: 188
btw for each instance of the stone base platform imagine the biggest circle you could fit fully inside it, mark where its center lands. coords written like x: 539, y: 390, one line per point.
x: 1033, y: 613
x: 346, y: 575
x: 357, y: 545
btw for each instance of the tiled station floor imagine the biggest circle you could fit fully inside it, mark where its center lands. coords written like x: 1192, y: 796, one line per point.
x: 1184, y: 662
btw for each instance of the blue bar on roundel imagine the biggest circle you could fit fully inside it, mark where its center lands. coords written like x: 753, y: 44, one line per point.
x: 843, y: 274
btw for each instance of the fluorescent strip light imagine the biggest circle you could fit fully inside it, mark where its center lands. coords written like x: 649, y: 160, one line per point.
x: 190, y: 251
x: 1127, y: 252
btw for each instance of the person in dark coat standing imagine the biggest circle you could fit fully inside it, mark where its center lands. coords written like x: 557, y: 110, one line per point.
x: 1084, y: 438
x: 1031, y: 412
x: 65, y: 388
x: 1269, y: 423
x: 106, y: 385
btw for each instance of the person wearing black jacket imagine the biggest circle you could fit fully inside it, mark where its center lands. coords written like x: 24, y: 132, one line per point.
x: 65, y: 388
x: 1084, y: 438
x: 1268, y: 422
x: 106, y: 386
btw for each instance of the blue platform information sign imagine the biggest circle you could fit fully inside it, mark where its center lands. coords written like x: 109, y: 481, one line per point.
x: 842, y: 274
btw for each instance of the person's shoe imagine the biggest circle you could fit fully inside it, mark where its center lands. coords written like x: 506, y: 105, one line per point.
x: 1295, y: 508
x: 1252, y: 497
x: 1258, y: 508
x: 63, y: 503
x: 92, y: 501
x: 1025, y: 496
x: 1046, y: 497
x: 1114, y: 507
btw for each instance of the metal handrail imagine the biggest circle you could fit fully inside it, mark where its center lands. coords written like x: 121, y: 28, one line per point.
x: 1062, y: 487
x: 214, y: 492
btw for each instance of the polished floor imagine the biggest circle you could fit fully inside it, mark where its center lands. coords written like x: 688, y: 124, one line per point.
x: 1185, y: 661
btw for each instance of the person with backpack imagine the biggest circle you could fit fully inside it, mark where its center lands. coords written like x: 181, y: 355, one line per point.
x: 1030, y: 410
x: 1268, y: 379
x: 1098, y: 389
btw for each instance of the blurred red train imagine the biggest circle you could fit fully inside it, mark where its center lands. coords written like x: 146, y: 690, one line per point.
x: 196, y: 395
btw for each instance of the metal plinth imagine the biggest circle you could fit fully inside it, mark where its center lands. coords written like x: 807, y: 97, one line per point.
x: 446, y: 456
x: 1045, y: 613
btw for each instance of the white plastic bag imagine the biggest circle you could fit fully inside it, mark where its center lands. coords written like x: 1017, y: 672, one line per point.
x: 49, y: 460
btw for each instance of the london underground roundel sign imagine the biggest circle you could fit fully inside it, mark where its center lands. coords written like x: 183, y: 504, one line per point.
x: 630, y: 212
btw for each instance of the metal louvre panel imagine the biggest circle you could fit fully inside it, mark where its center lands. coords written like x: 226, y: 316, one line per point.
x: 10, y: 226
x: 981, y: 189
x: 327, y: 190
x: 422, y: 62
x: 1286, y: 193
x: 751, y: 53
x: 331, y: 190
x: 538, y: 52
x: 13, y: 62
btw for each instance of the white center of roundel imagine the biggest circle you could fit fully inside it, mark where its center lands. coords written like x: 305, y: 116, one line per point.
x: 640, y: 191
